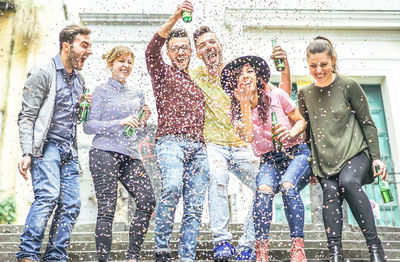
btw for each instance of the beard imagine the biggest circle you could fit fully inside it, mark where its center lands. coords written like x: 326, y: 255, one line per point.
x: 74, y: 59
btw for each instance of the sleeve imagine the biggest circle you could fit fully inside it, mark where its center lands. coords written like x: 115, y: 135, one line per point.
x: 304, y: 112
x: 95, y: 124
x: 359, y: 104
x: 34, y: 93
x: 288, y: 105
x: 154, y: 60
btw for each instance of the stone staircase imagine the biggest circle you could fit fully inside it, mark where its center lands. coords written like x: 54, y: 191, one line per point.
x: 83, y: 247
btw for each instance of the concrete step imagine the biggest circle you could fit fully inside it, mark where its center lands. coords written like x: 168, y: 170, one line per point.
x: 207, y: 244
x: 83, y: 247
x: 207, y: 235
x: 313, y: 254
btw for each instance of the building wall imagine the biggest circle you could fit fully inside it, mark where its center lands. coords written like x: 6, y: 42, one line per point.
x: 367, y: 43
x: 27, y: 37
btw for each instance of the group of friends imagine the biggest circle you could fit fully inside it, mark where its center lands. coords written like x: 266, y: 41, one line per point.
x: 212, y: 120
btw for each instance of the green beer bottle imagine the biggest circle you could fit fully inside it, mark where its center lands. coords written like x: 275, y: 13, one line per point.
x: 83, y: 108
x: 187, y: 17
x: 277, y: 143
x: 384, y: 187
x: 128, y: 130
x: 279, y: 63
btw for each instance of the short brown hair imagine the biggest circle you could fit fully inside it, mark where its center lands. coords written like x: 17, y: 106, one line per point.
x: 116, y: 52
x: 178, y: 32
x: 200, y: 31
x: 69, y: 33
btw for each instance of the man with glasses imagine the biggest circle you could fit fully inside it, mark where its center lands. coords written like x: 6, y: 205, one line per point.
x: 180, y: 146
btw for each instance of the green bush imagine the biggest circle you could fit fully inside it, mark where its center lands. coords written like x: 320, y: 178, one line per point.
x: 7, y: 211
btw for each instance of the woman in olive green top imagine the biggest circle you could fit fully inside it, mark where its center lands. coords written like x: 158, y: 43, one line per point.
x: 344, y: 147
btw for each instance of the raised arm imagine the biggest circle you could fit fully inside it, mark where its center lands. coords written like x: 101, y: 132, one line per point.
x: 286, y: 82
x: 153, y: 55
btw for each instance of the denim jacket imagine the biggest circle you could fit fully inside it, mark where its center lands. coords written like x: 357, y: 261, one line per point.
x: 38, y: 102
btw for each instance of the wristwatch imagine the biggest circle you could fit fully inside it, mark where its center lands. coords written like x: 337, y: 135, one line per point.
x: 27, y: 154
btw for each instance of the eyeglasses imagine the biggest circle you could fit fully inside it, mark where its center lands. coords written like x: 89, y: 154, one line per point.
x: 175, y: 49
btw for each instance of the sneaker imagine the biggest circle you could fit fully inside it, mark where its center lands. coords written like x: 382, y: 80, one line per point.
x: 247, y: 254
x: 224, y: 250
x: 163, y: 257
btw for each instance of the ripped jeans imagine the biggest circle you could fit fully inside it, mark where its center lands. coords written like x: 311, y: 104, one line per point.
x: 242, y: 163
x: 276, y: 168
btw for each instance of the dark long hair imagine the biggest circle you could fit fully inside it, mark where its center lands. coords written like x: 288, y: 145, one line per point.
x: 263, y: 103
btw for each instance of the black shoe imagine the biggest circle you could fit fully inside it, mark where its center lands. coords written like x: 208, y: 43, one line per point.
x: 376, y: 253
x: 163, y: 257
x: 336, y: 254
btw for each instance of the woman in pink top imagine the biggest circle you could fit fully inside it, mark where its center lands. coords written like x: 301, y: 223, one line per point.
x: 282, y: 168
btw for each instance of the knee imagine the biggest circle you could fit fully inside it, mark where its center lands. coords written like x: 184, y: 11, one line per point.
x: 331, y: 195
x: 48, y: 198
x: 147, y: 205
x: 265, y: 189
x: 349, y: 183
x: 289, y: 190
x: 106, y: 212
x: 287, y: 186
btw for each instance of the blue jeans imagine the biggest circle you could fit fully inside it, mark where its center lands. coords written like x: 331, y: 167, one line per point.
x: 185, y: 172
x: 241, y: 162
x: 55, y: 180
x: 275, y: 169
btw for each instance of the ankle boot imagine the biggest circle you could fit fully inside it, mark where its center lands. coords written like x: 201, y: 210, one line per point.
x: 262, y: 250
x: 336, y: 254
x: 376, y: 253
x: 297, y: 253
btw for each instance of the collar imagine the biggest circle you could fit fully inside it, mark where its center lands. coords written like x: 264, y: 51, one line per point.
x: 60, y: 65
x: 117, y: 85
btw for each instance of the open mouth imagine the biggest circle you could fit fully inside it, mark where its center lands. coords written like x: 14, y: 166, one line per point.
x: 180, y: 59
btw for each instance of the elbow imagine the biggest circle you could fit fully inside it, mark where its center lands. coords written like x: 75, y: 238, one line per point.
x: 87, y: 129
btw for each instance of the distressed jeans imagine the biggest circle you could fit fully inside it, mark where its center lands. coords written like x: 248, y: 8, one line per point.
x: 184, y: 172
x: 242, y: 163
x: 275, y: 169
x: 55, y: 180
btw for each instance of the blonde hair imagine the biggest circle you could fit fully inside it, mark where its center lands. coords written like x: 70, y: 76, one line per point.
x: 116, y: 52
x: 321, y: 44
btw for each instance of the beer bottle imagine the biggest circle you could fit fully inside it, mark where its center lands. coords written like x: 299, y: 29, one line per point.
x: 384, y: 187
x: 277, y: 143
x: 128, y: 130
x: 83, y: 108
x: 187, y: 17
x: 279, y: 63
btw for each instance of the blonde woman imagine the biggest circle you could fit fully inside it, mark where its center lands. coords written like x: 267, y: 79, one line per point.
x: 114, y: 157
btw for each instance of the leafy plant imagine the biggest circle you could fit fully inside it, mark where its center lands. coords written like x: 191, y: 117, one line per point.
x: 7, y: 211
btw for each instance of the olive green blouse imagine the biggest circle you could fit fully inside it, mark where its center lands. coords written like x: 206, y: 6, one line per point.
x: 339, y: 125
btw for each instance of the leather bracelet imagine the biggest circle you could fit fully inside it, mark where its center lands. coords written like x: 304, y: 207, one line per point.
x: 27, y: 154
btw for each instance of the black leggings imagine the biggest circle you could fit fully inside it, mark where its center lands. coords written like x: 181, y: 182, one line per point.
x: 107, y: 168
x: 347, y: 184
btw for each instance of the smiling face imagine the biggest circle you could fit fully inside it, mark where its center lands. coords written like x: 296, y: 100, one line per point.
x: 179, y: 52
x: 78, y: 51
x: 209, y: 49
x: 321, y: 68
x: 247, y: 78
x: 121, y: 68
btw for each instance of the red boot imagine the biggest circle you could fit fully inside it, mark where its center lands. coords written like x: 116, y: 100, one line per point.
x: 262, y: 250
x: 297, y: 253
